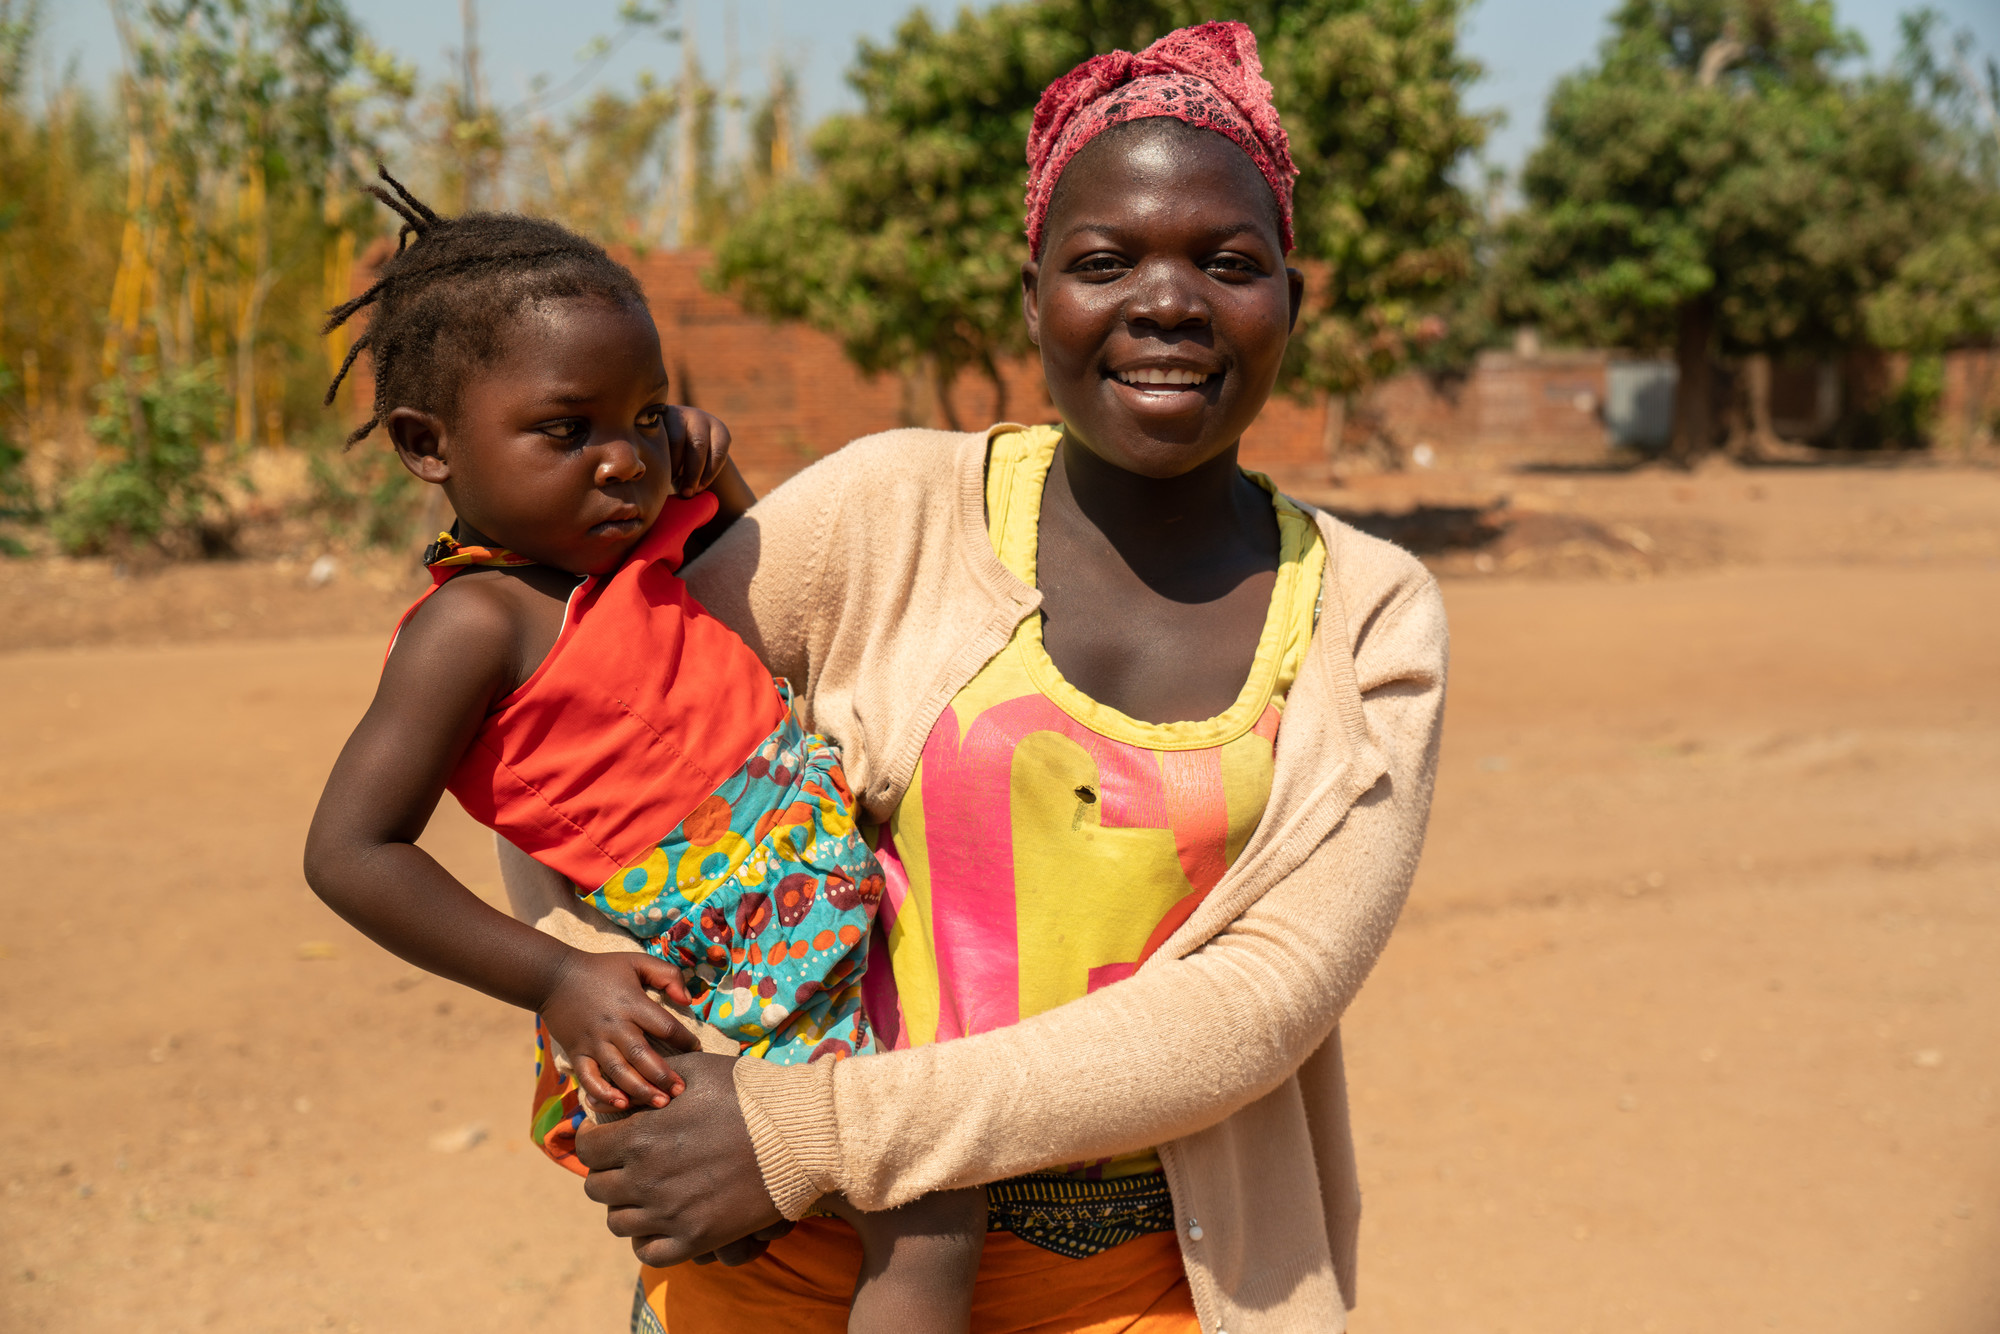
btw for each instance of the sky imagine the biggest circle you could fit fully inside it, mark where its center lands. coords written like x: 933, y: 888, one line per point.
x: 1525, y: 45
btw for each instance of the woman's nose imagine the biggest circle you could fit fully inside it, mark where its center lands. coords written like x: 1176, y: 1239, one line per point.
x: 620, y: 462
x: 1166, y: 297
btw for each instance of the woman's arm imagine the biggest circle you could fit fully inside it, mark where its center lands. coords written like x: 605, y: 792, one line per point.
x: 761, y: 576
x: 1172, y: 1050
x: 1177, y: 1047
x: 700, y: 443
x: 734, y: 499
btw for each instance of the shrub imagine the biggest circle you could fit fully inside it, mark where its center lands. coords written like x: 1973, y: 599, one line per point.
x: 17, y: 498
x: 368, y: 496
x: 1910, y: 418
x: 158, y: 486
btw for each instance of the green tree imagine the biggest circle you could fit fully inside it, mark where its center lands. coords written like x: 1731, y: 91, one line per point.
x: 1716, y: 186
x: 608, y: 167
x: 906, y: 244
x: 1946, y: 291
x: 1373, y: 96
x: 244, y: 151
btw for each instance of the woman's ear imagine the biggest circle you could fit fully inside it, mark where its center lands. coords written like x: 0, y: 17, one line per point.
x: 1297, y: 282
x: 419, y: 438
x: 1031, y: 310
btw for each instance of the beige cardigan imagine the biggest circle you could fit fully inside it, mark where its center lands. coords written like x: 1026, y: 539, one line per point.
x: 868, y: 580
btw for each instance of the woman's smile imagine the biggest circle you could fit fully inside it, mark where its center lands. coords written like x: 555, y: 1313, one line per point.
x: 1165, y: 388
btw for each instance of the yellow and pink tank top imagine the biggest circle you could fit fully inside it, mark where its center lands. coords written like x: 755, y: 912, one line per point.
x: 1048, y: 844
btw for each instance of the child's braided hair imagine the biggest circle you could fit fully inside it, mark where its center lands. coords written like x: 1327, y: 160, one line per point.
x: 442, y: 304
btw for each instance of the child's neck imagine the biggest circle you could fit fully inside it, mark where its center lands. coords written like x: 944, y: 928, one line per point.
x: 469, y: 536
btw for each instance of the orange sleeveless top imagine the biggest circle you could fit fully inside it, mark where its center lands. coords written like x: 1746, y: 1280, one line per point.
x: 645, y: 705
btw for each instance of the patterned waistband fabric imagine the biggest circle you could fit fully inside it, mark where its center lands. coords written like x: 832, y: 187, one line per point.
x: 643, y: 1319
x: 1076, y: 1217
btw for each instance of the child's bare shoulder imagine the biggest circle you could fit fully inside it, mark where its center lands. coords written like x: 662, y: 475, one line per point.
x: 475, y: 621
x: 488, y: 624
x: 476, y: 605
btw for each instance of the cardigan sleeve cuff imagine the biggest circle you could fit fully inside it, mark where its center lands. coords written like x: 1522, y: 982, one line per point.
x: 788, y: 1110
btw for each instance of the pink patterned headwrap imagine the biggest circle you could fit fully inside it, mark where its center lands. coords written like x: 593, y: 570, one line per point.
x: 1208, y: 75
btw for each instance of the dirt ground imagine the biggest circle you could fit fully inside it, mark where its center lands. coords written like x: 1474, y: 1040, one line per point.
x: 1693, y: 1022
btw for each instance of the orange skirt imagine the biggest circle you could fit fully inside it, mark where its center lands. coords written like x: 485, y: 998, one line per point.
x: 804, y: 1281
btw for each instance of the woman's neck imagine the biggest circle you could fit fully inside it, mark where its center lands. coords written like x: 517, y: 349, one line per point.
x: 1191, y: 537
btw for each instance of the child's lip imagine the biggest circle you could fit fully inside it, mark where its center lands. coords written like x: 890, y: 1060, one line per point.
x: 620, y: 526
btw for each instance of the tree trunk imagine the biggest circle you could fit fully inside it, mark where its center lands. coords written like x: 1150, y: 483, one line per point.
x: 941, y: 377
x: 246, y: 356
x: 1694, y: 392
x: 1332, y: 432
x: 992, y: 369
x: 1763, y: 436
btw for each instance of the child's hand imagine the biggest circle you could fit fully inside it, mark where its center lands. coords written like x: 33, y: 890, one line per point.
x: 699, y: 442
x: 613, y: 1031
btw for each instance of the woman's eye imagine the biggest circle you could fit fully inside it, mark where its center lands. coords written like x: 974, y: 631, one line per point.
x: 1233, y: 266
x: 1100, y: 265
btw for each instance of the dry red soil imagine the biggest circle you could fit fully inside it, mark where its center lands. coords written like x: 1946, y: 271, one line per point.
x: 1693, y: 1022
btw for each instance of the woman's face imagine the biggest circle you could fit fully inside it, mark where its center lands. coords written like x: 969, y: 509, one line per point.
x: 1161, y: 301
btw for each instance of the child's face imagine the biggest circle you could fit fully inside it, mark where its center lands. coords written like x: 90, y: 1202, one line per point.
x: 559, y: 451
x: 1160, y: 261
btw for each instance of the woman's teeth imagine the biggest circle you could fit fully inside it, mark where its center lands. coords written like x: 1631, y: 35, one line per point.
x: 1151, y: 375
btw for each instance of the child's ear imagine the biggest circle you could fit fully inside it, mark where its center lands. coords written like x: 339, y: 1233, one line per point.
x: 419, y: 438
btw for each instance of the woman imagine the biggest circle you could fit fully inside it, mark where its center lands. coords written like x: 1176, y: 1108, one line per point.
x: 1152, y: 750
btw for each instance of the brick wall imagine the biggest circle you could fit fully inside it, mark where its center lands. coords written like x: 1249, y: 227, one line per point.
x: 1509, y: 410
x: 1969, y: 410
x: 790, y: 396
x: 787, y: 392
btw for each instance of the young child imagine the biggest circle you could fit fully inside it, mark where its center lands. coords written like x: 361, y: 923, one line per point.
x: 562, y: 683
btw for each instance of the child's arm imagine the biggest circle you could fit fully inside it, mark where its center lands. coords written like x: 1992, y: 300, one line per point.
x: 453, y: 658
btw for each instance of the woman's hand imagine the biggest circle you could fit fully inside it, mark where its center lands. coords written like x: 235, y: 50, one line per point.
x: 699, y: 443
x: 682, y: 1181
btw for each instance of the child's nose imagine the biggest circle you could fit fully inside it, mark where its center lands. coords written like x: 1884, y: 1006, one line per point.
x: 620, y: 462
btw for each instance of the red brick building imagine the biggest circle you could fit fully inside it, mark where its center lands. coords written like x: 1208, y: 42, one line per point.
x: 790, y: 396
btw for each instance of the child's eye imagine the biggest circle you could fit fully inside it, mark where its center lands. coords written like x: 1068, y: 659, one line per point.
x: 569, y: 430
x: 654, y: 418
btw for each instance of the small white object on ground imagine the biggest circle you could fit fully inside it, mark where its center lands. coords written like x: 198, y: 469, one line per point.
x: 459, y: 1140
x: 1423, y: 455
x: 322, y: 572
